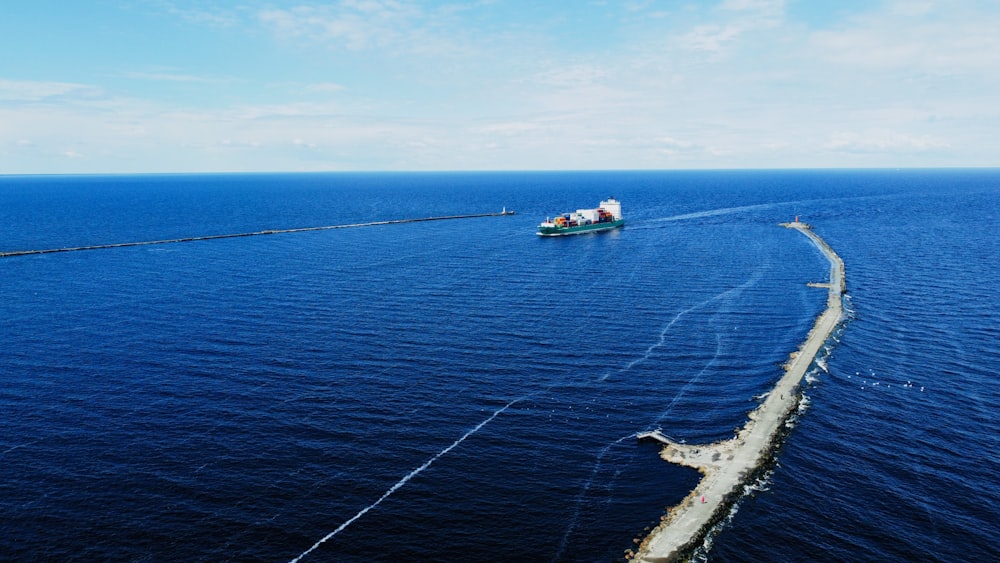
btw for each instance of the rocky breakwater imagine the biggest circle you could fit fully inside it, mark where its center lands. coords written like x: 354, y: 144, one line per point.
x: 727, y: 466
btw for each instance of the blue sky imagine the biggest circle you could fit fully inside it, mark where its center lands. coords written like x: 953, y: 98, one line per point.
x: 109, y: 86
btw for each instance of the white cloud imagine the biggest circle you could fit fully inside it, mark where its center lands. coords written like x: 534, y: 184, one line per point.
x: 882, y: 141
x: 736, y: 83
x: 239, y: 144
x: 771, y: 8
x: 176, y: 77
x: 670, y: 143
x: 199, y: 15
x: 710, y: 38
x: 325, y: 88
x: 296, y: 110
x: 911, y: 8
x: 687, y: 150
x: 31, y: 91
x: 355, y: 24
x: 602, y: 143
x: 637, y: 6
x: 382, y: 28
x: 941, y: 40
x: 734, y: 18
x: 573, y: 75
x: 512, y: 128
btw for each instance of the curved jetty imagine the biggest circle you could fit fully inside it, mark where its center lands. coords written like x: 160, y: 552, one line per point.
x: 726, y: 466
x: 255, y: 233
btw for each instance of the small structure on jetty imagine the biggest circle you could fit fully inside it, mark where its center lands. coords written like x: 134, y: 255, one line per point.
x: 727, y: 465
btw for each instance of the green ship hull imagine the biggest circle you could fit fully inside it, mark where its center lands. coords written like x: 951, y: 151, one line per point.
x: 579, y: 229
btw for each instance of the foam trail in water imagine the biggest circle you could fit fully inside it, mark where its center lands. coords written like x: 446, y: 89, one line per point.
x: 12, y: 448
x: 757, y: 207
x: 692, y: 381
x: 757, y: 275
x: 405, y: 479
x: 714, y: 212
x: 583, y: 494
x: 661, y: 341
x: 663, y: 333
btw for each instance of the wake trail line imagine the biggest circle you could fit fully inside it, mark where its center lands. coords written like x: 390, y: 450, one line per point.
x: 758, y: 207
x: 755, y: 277
x: 714, y: 212
x: 583, y: 493
x: 691, y: 382
x: 405, y: 479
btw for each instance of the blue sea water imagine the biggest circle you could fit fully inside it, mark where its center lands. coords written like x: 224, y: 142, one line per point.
x: 466, y: 390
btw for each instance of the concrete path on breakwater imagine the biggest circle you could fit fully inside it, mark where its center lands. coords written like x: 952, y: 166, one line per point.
x: 726, y: 466
x: 255, y: 233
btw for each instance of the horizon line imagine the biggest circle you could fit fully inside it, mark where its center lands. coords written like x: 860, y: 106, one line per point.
x: 503, y: 171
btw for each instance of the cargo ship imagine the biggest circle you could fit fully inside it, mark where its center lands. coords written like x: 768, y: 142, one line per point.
x: 607, y: 216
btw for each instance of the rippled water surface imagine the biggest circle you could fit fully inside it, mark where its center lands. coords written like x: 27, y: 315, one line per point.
x: 466, y: 390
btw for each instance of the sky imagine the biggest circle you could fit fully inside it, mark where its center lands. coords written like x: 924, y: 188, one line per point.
x: 137, y: 86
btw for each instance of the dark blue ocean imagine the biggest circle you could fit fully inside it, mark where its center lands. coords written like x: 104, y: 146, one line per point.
x: 464, y: 390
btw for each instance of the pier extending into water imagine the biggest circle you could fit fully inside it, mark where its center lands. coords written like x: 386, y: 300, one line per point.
x: 255, y: 233
x: 726, y: 466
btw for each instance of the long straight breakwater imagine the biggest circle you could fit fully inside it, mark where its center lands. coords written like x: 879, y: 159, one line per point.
x: 255, y: 233
x: 726, y: 466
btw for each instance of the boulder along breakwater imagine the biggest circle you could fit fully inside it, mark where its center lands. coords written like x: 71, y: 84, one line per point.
x: 728, y: 465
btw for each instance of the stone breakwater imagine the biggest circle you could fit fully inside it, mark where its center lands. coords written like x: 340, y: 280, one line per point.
x: 253, y: 234
x: 728, y: 465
